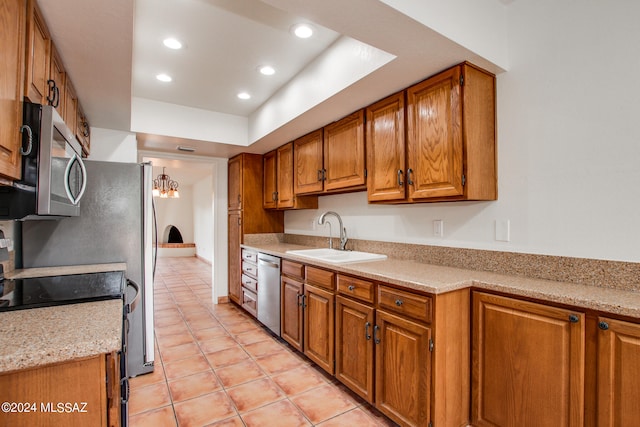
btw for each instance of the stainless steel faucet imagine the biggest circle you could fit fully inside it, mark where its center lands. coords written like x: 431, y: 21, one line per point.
x: 343, y: 231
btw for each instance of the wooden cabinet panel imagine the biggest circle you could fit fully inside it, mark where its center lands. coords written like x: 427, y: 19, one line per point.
x: 434, y: 114
x: 76, y: 381
x: 344, y: 153
x: 308, y: 163
x: 528, y: 367
x: 234, y: 259
x: 57, y: 82
x: 83, y: 131
x: 319, y: 326
x: 405, y: 303
x: 291, y: 312
x: 38, y: 56
x: 357, y: 288
x: 70, y: 113
x: 293, y: 269
x: 12, y: 46
x: 403, y: 369
x: 319, y: 277
x: 234, y: 193
x: 385, y: 140
x: 270, y: 181
x: 354, y: 346
x: 618, y: 373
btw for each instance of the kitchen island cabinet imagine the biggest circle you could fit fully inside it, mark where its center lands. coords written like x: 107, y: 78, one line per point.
x: 528, y: 363
x: 12, y: 44
x: 78, y: 393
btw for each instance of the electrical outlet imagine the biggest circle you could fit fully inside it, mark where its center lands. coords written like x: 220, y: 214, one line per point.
x: 438, y: 228
x: 503, y: 230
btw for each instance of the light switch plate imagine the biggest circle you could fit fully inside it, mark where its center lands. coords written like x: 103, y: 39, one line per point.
x: 503, y: 230
x: 438, y: 227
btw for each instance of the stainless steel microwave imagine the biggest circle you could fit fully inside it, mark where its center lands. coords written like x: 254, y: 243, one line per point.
x: 53, y: 174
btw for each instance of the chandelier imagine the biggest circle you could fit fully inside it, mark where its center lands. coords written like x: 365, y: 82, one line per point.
x: 164, y: 187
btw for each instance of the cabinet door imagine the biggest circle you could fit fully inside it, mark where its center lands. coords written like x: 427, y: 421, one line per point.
x: 58, y: 80
x: 235, y: 183
x: 70, y: 114
x: 12, y: 27
x: 291, y: 312
x: 434, y: 137
x: 344, y: 153
x: 270, y: 180
x: 386, y: 149
x: 318, y: 326
x: 618, y: 373
x: 83, y: 131
x: 307, y: 165
x: 528, y: 364
x: 38, y: 56
x: 403, y: 369
x: 286, y: 196
x: 354, y: 346
x: 235, y: 258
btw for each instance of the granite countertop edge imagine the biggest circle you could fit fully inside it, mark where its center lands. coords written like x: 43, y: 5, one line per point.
x: 436, y: 279
x: 43, y: 336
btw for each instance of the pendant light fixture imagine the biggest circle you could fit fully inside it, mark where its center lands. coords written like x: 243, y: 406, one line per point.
x: 164, y: 187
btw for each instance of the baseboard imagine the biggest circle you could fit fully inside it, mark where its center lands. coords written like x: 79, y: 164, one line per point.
x: 223, y: 300
x: 203, y: 259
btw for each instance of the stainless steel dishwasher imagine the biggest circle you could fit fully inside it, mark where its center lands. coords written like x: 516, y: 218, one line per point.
x: 269, y: 292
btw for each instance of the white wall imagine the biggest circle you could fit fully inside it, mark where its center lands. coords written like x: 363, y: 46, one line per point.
x: 203, y: 218
x: 110, y: 145
x: 176, y: 212
x: 568, y: 145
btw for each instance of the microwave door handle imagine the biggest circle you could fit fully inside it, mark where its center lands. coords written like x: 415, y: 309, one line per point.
x: 67, y: 174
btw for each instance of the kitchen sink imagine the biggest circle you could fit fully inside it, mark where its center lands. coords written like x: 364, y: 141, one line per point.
x: 335, y: 256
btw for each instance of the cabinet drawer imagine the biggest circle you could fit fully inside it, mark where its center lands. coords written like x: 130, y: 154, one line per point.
x: 250, y: 269
x: 250, y: 283
x: 292, y: 269
x: 250, y: 301
x: 319, y: 277
x: 407, y: 303
x: 248, y: 255
x: 356, y: 288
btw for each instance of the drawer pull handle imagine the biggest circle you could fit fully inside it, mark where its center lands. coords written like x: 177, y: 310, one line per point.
x: 398, y: 302
x: 367, y: 335
x: 376, y: 334
x: 351, y: 287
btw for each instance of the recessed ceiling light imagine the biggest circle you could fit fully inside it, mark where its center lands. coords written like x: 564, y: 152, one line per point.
x: 304, y: 31
x: 164, y: 77
x: 244, y: 95
x: 172, y: 43
x: 267, y: 70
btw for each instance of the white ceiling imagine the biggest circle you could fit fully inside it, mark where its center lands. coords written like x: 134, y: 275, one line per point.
x: 113, y: 49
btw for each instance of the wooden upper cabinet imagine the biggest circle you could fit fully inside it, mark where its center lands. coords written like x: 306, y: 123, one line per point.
x: 332, y: 159
x: 12, y: 30
x: 70, y: 112
x: 451, y: 136
x: 235, y: 183
x: 385, y: 139
x: 528, y: 364
x: 344, y: 153
x: 618, y: 373
x: 278, y: 182
x: 57, y: 82
x: 83, y: 131
x: 270, y: 180
x: 38, y: 56
x: 308, y: 163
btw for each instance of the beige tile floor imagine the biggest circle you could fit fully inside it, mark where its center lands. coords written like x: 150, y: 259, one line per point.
x: 216, y: 366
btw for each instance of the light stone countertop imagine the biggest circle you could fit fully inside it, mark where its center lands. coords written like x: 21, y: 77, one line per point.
x: 42, y: 336
x: 437, y: 279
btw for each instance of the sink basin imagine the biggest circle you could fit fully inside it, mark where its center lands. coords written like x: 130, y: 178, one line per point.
x: 337, y: 257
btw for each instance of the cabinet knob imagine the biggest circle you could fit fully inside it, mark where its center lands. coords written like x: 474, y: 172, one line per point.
x: 351, y: 287
x: 399, y: 302
x: 573, y: 318
x: 603, y: 325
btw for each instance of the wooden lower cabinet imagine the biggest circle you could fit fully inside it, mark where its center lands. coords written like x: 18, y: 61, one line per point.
x: 291, y: 312
x: 528, y: 363
x: 403, y: 369
x: 235, y: 260
x: 618, y: 355
x: 354, y: 346
x: 76, y: 393
x: 319, y: 326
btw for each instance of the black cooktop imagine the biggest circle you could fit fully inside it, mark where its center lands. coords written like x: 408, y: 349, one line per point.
x: 18, y: 294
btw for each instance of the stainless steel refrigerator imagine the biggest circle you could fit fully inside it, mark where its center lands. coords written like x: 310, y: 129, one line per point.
x: 115, y: 225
